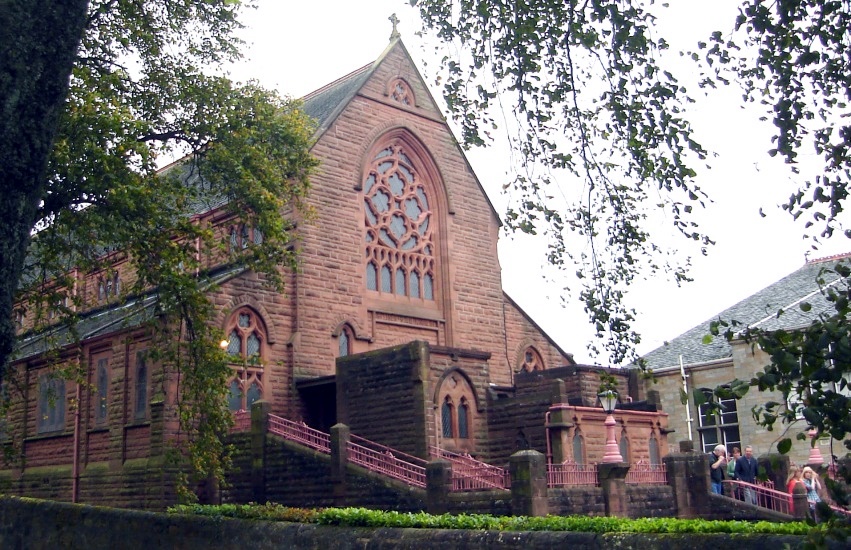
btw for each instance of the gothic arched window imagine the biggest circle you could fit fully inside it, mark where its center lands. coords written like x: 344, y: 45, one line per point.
x: 532, y: 360
x: 457, y: 415
x: 246, y: 349
x: 578, y: 449
x: 400, y: 248
x: 344, y: 341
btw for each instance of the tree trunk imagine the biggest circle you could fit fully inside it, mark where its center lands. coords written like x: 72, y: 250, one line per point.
x: 38, y: 45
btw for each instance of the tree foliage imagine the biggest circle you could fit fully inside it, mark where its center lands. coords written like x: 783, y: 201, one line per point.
x: 600, y: 129
x: 596, y: 111
x: 142, y: 90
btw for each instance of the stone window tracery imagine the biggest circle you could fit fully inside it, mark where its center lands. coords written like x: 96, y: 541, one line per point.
x: 456, y: 413
x: 400, y: 91
x: 400, y: 250
x: 246, y: 349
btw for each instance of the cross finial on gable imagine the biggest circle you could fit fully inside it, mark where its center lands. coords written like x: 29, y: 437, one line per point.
x: 395, y: 20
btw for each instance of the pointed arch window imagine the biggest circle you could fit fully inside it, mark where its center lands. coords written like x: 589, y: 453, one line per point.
x: 457, y: 415
x: 246, y: 349
x: 344, y: 341
x: 446, y: 418
x: 578, y: 449
x: 623, y: 447
x: 141, y: 385
x: 399, y: 223
x: 463, y: 419
x: 532, y: 360
x: 653, y: 448
x: 400, y: 91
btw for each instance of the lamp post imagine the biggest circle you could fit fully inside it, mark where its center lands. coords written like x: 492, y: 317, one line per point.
x: 609, y: 399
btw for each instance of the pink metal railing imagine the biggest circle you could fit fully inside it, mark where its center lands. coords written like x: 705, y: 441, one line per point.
x: 384, y: 460
x: 643, y: 473
x: 570, y: 473
x: 300, y: 433
x: 241, y: 421
x: 759, y: 495
x: 469, y: 474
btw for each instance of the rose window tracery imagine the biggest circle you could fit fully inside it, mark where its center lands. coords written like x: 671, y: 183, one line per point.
x: 399, y: 229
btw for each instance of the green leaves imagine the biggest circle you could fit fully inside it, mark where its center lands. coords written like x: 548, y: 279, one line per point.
x: 144, y: 90
x: 598, y: 129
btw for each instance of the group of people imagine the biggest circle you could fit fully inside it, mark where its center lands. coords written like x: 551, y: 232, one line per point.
x: 745, y: 468
x: 738, y: 467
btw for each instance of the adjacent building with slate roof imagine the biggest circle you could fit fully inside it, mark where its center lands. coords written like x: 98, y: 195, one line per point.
x: 692, y: 361
x: 396, y: 324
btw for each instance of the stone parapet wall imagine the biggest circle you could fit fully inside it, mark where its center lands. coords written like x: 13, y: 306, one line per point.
x: 42, y: 524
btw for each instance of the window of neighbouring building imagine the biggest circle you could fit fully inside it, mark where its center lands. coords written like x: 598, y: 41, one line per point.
x: 51, y: 404
x: 720, y: 428
x: 400, y: 248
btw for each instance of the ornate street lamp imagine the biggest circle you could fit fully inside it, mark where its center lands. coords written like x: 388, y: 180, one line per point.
x: 609, y: 399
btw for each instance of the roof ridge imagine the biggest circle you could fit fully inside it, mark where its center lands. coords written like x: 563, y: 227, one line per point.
x: 335, y: 82
x: 841, y: 256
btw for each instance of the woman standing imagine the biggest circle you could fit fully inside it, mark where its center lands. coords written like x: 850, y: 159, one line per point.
x: 813, y: 485
x: 795, y: 477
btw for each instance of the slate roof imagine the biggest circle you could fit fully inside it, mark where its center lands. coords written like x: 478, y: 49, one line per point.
x: 757, y: 310
x: 327, y: 102
x: 130, y: 314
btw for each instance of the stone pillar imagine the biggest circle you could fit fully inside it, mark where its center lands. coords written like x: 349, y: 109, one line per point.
x: 259, y: 428
x: 438, y: 485
x: 612, y: 476
x: 340, y: 435
x: 528, y: 471
x: 559, y: 425
x: 800, y: 506
x: 688, y: 476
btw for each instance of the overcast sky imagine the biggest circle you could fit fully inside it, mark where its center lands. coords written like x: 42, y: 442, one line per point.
x: 298, y: 47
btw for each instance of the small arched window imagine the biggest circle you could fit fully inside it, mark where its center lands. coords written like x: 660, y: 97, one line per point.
x: 344, y: 341
x: 463, y: 419
x: 578, y: 449
x: 401, y: 92
x: 141, y: 381
x: 623, y: 447
x: 532, y: 360
x: 446, y: 417
x: 653, y: 447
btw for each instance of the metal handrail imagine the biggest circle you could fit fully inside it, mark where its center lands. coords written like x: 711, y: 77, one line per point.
x: 300, y: 433
x: 384, y: 460
x: 241, y: 421
x: 647, y: 474
x: 569, y: 474
x: 469, y: 474
x: 759, y: 495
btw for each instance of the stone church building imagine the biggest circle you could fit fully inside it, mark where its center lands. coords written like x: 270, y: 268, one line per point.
x: 396, y: 325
